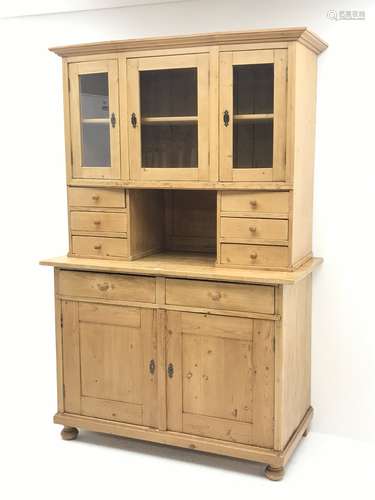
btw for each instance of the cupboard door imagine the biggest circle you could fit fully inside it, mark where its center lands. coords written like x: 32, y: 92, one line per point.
x: 220, y: 377
x: 253, y: 115
x: 109, y: 359
x: 168, y: 117
x: 94, y: 120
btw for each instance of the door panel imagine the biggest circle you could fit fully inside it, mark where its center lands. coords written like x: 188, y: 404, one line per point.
x: 223, y: 378
x: 107, y: 355
x: 253, y: 115
x: 168, y: 122
x: 94, y: 120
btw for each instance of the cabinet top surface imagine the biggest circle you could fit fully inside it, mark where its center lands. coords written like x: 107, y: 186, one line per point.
x: 302, y: 35
x: 183, y: 266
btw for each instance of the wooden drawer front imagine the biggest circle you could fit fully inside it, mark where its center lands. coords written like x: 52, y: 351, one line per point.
x: 255, y: 202
x: 213, y: 295
x: 106, y: 286
x: 95, y: 246
x: 96, y: 197
x: 254, y: 255
x: 254, y: 229
x: 99, y: 222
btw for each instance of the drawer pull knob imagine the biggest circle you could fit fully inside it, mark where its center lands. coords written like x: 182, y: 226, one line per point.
x: 252, y: 229
x: 103, y: 287
x: 253, y: 255
x: 170, y: 370
x: 95, y: 197
x: 215, y: 296
x: 253, y: 203
x: 97, y: 247
x: 97, y: 222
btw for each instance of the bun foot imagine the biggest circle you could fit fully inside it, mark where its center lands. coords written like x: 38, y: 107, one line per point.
x: 69, y: 433
x: 274, y: 473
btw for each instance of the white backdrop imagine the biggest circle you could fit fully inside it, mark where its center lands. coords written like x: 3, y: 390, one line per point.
x: 33, y: 198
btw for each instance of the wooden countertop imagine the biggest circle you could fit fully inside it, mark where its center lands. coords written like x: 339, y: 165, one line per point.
x: 179, y: 265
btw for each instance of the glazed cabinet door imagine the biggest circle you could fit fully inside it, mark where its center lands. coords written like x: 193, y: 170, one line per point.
x: 109, y: 362
x: 253, y: 115
x: 94, y: 120
x: 220, y: 377
x: 168, y: 117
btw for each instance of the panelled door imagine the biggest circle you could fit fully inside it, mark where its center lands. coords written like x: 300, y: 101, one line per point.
x: 253, y: 93
x: 109, y: 362
x: 220, y: 377
x: 168, y: 118
x: 94, y: 110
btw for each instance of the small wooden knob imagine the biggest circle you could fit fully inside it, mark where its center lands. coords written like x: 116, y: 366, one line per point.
x: 253, y: 255
x: 252, y: 229
x: 97, y: 247
x: 95, y: 197
x: 215, y: 295
x: 103, y: 287
x: 253, y: 203
x: 97, y: 222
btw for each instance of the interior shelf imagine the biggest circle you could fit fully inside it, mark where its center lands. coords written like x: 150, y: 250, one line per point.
x: 253, y: 117
x: 169, y: 120
x: 95, y: 120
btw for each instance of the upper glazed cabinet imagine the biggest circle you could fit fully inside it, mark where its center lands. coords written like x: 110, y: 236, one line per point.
x: 178, y: 118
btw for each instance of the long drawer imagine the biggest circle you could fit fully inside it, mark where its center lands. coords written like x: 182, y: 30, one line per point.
x: 245, y: 228
x: 107, y: 286
x: 254, y: 255
x: 226, y: 296
x: 99, y: 221
x: 256, y: 202
x: 97, y: 246
x: 96, y: 197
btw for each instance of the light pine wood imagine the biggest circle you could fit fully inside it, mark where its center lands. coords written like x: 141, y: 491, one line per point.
x: 98, y: 246
x: 183, y: 311
x: 220, y: 295
x: 96, y: 197
x: 185, y: 266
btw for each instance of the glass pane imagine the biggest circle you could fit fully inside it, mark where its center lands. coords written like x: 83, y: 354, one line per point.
x: 169, y: 146
x: 169, y: 121
x: 253, y: 144
x: 94, y: 107
x: 171, y: 92
x: 253, y: 89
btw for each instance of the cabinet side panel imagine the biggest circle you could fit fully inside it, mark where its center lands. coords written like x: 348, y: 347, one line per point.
x: 303, y: 153
x: 294, y: 354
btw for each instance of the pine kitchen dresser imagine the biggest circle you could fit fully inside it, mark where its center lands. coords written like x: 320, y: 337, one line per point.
x: 183, y: 308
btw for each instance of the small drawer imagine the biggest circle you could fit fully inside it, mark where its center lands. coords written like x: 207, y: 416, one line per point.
x: 245, y: 228
x: 237, y: 254
x: 96, y: 246
x: 225, y: 296
x: 96, y: 197
x: 100, y: 222
x: 106, y: 286
x: 256, y: 202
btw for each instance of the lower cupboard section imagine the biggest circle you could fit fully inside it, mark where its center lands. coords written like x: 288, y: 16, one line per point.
x: 199, y: 374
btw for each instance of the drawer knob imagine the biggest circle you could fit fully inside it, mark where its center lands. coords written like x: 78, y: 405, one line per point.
x: 253, y: 255
x: 252, y: 229
x: 215, y: 296
x: 97, y: 247
x: 95, y: 197
x: 97, y: 222
x: 103, y: 287
x: 253, y: 203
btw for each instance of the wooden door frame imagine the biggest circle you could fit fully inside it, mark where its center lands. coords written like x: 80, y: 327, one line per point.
x: 201, y: 61
x: 228, y: 60
x: 112, y: 171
